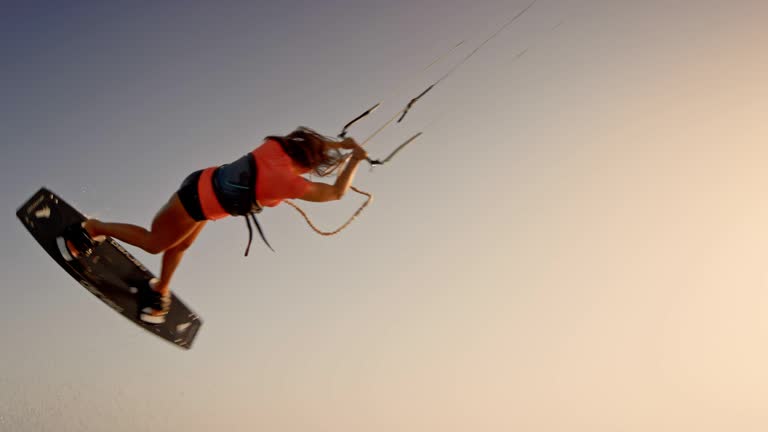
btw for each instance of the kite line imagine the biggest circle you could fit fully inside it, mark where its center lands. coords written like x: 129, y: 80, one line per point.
x: 399, y: 116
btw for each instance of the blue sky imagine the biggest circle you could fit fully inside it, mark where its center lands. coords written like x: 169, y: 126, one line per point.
x: 577, y: 241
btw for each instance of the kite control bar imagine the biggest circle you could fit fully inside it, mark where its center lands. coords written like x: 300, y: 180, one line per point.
x: 376, y: 162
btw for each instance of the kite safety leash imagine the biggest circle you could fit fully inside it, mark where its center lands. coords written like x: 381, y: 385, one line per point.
x: 369, y: 198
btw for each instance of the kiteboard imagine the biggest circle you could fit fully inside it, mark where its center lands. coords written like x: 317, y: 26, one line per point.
x: 110, y: 273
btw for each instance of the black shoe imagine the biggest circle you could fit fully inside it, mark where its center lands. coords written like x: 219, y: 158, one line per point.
x: 153, y: 305
x: 75, y: 242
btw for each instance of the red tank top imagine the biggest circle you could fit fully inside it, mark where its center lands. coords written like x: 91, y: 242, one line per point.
x: 279, y: 177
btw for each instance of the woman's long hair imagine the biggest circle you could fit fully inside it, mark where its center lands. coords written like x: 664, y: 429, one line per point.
x: 311, y: 150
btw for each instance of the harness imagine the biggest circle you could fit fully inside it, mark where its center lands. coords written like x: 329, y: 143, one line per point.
x: 235, y: 187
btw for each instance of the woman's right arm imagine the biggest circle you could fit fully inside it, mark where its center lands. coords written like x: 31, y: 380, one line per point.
x: 321, y: 192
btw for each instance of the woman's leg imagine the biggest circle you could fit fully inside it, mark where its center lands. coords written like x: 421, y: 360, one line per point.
x: 170, y: 226
x: 172, y: 258
x: 173, y: 230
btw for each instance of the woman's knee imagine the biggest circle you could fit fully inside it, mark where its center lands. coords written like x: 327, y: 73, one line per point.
x: 170, y: 228
x: 155, y: 247
x: 160, y: 243
x: 189, y: 239
x: 183, y: 246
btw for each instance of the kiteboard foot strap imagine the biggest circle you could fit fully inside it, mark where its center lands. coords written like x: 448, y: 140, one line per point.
x: 75, y: 242
x: 154, y: 306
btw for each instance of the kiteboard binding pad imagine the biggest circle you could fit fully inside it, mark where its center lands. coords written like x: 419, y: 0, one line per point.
x: 106, y: 270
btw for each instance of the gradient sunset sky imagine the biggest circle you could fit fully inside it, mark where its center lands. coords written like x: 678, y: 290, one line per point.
x: 578, y: 242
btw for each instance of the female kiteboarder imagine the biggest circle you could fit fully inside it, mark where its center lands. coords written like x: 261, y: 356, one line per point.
x: 262, y: 178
